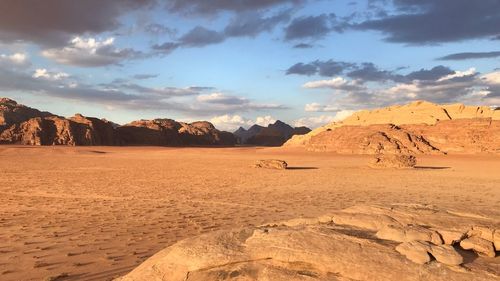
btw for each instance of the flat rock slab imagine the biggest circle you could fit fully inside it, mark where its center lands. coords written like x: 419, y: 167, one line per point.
x: 338, y: 246
x: 271, y: 164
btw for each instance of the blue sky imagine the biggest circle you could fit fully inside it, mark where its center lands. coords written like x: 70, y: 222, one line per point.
x: 237, y: 63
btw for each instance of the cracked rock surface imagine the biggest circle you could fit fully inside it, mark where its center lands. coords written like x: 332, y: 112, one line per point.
x: 398, y: 242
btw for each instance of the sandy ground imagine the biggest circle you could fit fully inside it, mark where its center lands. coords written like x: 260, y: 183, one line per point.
x: 96, y: 213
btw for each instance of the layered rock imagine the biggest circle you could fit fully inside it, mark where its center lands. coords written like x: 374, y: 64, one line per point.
x: 13, y: 113
x: 273, y: 135
x: 420, y: 112
x: 352, y: 244
x: 419, y: 127
x: 54, y: 130
x: 23, y: 125
x: 373, y: 139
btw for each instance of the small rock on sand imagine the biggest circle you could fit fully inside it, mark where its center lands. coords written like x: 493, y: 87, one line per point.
x: 398, y: 161
x: 271, y: 164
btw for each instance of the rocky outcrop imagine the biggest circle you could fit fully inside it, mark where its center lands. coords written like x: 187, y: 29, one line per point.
x: 461, y: 135
x: 167, y: 132
x: 373, y: 139
x: 344, y: 245
x: 419, y: 127
x: 13, y: 113
x: 420, y: 112
x: 273, y: 135
x: 23, y: 125
x: 78, y: 130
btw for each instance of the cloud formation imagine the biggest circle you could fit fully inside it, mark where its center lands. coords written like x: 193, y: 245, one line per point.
x: 91, y: 52
x: 54, y: 22
x: 471, y: 55
x: 248, y: 24
x: 430, y: 21
x: 204, y: 7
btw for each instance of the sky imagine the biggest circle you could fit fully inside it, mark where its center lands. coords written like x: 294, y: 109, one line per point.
x: 242, y: 62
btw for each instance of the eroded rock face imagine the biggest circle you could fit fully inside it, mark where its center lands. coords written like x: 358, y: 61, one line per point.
x: 13, y: 113
x: 340, y: 246
x: 373, y: 139
x: 448, y: 128
x: 78, y: 130
x: 23, y: 125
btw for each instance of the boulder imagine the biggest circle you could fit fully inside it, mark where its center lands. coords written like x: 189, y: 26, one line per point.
x: 398, y: 161
x: 271, y: 164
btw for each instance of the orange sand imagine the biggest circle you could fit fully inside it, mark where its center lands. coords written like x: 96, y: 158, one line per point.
x: 95, y: 213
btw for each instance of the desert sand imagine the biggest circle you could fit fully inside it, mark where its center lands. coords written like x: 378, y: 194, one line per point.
x: 96, y: 213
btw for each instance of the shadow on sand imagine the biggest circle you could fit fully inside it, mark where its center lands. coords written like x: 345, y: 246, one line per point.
x: 302, y: 168
x: 431, y: 168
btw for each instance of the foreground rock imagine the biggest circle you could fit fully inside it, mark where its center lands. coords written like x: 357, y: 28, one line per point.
x: 397, y: 161
x: 271, y: 164
x: 339, y: 246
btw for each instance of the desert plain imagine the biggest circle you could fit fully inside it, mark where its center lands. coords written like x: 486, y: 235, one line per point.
x: 96, y: 213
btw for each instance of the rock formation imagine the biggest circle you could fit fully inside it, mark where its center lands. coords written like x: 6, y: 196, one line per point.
x: 23, y: 125
x: 54, y: 130
x: 271, y: 164
x: 397, y: 242
x: 273, y: 135
x: 419, y: 127
x: 13, y: 113
x: 398, y: 161
x: 167, y: 132
x: 373, y: 139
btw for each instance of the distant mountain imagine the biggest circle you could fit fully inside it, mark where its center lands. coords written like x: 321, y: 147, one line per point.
x: 20, y: 124
x: 273, y: 135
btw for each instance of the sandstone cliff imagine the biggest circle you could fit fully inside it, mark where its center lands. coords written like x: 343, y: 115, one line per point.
x: 23, y: 125
x: 418, y: 127
x: 13, y: 113
x: 55, y: 130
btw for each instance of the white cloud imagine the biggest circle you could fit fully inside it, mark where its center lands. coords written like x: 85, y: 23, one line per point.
x: 43, y: 73
x: 232, y: 122
x: 318, y: 121
x: 316, y: 107
x: 90, y: 52
x: 264, y: 120
x: 492, y: 78
x: 16, y: 58
x: 221, y: 98
x: 458, y: 74
x: 337, y: 83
